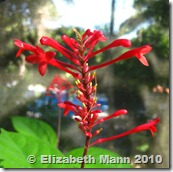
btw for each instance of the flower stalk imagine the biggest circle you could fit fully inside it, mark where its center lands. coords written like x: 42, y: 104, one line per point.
x: 57, y: 86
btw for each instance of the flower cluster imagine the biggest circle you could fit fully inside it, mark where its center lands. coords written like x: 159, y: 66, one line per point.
x: 81, y: 51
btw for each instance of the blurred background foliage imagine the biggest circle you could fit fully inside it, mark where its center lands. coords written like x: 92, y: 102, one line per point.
x: 143, y: 91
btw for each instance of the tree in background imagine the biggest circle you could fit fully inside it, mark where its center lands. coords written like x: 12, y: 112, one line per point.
x: 22, y: 19
x: 112, y: 18
x: 153, y: 83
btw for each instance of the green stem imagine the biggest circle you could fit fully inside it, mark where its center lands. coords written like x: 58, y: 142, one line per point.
x: 58, y: 127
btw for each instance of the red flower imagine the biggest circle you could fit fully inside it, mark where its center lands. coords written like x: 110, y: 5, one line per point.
x: 41, y: 58
x: 60, y: 84
x: 67, y: 53
x: 115, y: 114
x: 118, y: 42
x: 138, y: 52
x: 148, y: 126
x: 57, y: 86
x: 68, y: 106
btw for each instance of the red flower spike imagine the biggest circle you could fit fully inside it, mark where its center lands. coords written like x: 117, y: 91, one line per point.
x: 81, y: 51
x: 148, y: 126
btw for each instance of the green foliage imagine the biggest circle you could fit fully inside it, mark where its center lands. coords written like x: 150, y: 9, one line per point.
x: 16, y: 147
x: 35, y: 128
x: 156, y: 15
x: 151, y: 12
x: 35, y: 139
x: 157, y: 38
x: 157, y: 10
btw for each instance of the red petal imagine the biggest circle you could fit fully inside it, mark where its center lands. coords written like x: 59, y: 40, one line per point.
x: 145, y: 49
x: 42, y: 68
x: 96, y: 36
x: 19, y: 52
x: 142, y: 59
x: 87, y: 33
x: 32, y: 59
x: 39, y: 50
x: 49, y: 55
x: 24, y: 45
x: 68, y: 106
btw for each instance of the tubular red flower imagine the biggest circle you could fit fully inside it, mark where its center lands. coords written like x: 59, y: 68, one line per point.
x: 40, y: 57
x: 138, y: 52
x: 87, y: 33
x: 115, y: 114
x: 94, y: 36
x: 68, y: 65
x: 59, y: 65
x: 52, y: 43
x: 72, y: 43
x: 68, y: 106
x: 43, y: 58
x: 23, y: 46
x: 119, y: 42
x: 148, y: 126
x: 58, y: 85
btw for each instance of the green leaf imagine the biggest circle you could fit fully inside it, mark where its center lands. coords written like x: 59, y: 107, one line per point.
x: 15, y: 149
x: 101, y: 158
x: 35, y: 128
